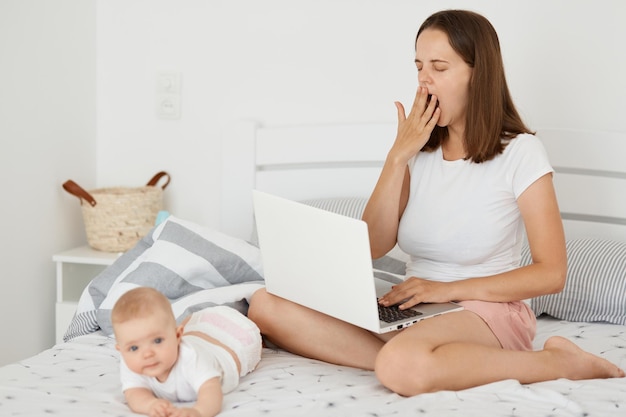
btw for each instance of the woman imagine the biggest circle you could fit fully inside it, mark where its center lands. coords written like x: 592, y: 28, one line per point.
x: 463, y: 181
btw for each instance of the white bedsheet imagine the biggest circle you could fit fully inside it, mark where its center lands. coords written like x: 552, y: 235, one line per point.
x: 80, y: 378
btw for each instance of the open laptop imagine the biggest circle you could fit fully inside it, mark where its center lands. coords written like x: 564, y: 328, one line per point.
x: 322, y: 260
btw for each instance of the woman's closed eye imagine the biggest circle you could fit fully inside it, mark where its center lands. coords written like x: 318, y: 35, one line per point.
x: 436, y: 65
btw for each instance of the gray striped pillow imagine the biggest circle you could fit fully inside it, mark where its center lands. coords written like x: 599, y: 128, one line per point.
x: 181, y: 259
x: 347, y: 206
x: 595, y: 290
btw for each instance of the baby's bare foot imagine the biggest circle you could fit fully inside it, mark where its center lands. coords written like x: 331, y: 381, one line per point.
x: 579, y: 364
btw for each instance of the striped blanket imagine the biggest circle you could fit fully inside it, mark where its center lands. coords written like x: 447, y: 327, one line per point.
x: 194, y: 266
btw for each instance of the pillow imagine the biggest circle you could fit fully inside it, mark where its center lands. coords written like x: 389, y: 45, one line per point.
x: 346, y: 206
x: 595, y: 290
x: 194, y: 266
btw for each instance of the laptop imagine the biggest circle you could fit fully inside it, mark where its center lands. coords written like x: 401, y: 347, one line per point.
x: 322, y: 260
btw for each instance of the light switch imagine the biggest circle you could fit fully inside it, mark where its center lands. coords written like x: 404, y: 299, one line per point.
x: 168, y: 90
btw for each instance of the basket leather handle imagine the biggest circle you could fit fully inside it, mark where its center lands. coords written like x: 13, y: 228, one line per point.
x: 76, y: 190
x: 157, y: 177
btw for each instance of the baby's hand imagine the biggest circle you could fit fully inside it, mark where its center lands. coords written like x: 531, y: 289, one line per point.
x: 185, y: 412
x: 161, y: 408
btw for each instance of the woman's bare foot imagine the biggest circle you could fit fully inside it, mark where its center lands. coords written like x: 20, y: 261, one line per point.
x: 579, y: 364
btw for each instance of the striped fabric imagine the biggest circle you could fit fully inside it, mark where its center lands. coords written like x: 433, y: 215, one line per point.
x: 595, y: 290
x: 347, y: 206
x: 195, y: 267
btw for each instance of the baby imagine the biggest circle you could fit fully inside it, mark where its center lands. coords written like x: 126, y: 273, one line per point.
x: 199, y: 360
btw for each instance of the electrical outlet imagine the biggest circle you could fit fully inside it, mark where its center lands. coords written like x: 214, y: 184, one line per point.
x: 168, y: 91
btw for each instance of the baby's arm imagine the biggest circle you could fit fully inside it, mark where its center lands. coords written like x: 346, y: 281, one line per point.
x: 209, y: 401
x: 210, y: 398
x: 143, y: 401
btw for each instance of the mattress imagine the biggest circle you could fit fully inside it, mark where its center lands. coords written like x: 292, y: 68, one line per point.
x: 81, y: 378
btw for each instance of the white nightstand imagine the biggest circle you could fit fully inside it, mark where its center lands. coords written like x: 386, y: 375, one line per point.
x: 75, y: 269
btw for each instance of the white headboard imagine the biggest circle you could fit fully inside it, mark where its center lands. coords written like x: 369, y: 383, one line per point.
x: 298, y: 162
x: 590, y: 180
x: 316, y: 161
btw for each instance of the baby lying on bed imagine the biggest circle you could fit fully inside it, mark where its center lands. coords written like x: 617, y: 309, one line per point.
x: 199, y: 360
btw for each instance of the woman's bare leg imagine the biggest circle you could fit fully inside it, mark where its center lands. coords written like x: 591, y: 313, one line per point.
x: 309, y: 333
x: 458, y: 350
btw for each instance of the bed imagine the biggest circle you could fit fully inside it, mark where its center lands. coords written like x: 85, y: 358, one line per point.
x: 335, y: 167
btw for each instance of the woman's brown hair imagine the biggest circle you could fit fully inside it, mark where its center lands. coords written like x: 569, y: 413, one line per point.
x: 491, y: 114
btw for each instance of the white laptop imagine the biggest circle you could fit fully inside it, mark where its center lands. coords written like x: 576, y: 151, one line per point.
x: 322, y: 260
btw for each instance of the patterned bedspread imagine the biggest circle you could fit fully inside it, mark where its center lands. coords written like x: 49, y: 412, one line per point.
x: 80, y: 378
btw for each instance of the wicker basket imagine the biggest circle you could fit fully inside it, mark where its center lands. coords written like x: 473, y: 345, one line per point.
x: 116, y: 218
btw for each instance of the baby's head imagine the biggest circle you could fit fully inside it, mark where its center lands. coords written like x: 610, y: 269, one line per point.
x: 146, y: 333
x: 141, y: 303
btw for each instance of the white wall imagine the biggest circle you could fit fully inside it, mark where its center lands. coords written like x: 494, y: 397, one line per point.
x: 47, y: 134
x: 276, y: 61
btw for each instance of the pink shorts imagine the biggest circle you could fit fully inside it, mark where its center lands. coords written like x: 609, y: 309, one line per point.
x: 514, y: 324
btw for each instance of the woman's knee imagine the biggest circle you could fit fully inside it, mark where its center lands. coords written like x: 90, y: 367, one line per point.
x: 260, y: 306
x: 403, y: 370
x: 264, y: 309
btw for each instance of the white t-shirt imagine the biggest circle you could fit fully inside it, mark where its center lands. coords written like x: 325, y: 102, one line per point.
x: 198, y: 361
x: 462, y: 218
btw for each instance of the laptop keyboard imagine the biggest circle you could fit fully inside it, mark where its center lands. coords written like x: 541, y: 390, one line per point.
x: 393, y: 313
